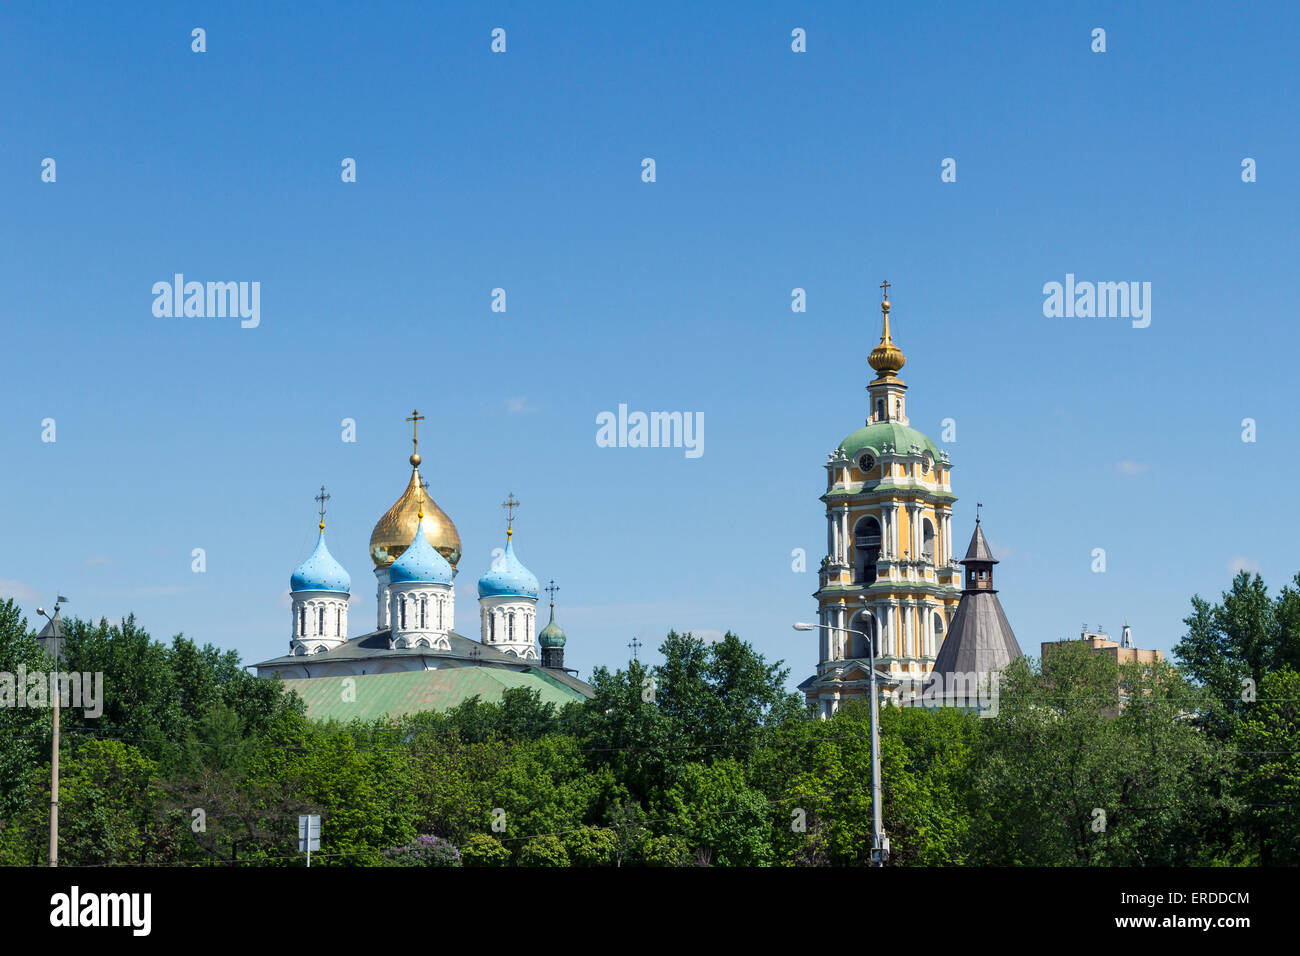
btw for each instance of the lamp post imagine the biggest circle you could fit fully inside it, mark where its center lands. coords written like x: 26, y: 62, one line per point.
x: 879, y: 842
x: 54, y: 746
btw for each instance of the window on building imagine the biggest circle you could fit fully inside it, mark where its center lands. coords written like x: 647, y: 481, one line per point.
x: 338, y: 622
x: 302, y: 622
x: 880, y: 409
x: 320, y: 623
x: 510, y: 627
x: 401, y: 604
x: 927, y: 541
x: 866, y: 550
x: 423, y: 603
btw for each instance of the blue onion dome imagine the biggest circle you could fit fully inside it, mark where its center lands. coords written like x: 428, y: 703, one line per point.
x: 321, y: 572
x: 551, y: 635
x: 421, y: 562
x: 507, y: 577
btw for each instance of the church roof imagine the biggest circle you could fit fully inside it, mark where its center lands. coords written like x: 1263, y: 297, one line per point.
x: 409, y: 692
x: 980, y: 639
x: 979, y: 549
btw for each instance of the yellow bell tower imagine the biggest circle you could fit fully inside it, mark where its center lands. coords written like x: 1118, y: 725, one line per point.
x: 889, y: 574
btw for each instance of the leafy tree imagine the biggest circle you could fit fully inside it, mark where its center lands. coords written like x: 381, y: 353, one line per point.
x: 483, y: 850
x: 24, y: 731
x: 725, y: 821
x: 544, y: 850
x: 1268, y: 740
x: 1241, y: 638
x: 591, y: 846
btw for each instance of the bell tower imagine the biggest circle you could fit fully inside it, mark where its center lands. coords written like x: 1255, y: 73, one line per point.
x: 888, y: 583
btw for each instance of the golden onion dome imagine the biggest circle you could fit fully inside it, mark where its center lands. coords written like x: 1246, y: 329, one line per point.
x: 396, y: 529
x: 886, y: 358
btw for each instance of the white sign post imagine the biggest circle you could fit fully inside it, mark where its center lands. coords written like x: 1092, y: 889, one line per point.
x: 308, y: 834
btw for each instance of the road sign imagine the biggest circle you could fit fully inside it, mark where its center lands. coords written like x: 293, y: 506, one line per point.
x: 308, y: 834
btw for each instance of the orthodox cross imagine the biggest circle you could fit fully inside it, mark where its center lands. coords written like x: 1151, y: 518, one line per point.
x: 415, y: 419
x: 636, y: 646
x: 474, y: 654
x: 510, y: 504
x: 322, y: 498
x: 551, y: 589
x: 885, y: 286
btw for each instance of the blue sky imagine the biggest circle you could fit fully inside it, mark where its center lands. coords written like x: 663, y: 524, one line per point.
x: 522, y: 171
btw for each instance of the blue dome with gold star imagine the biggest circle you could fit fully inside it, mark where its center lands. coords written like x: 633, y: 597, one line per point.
x: 508, y: 577
x: 420, y: 562
x: 320, y: 572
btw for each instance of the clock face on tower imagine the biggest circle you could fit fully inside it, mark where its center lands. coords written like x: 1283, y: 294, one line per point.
x: 867, y: 462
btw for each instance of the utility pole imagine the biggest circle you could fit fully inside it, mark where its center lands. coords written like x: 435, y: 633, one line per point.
x: 54, y: 746
x: 879, y: 842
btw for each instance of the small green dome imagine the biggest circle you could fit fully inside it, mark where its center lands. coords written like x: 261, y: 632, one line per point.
x: 878, y: 434
x: 551, y: 635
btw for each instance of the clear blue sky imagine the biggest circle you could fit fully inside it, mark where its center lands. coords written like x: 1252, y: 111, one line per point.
x: 775, y: 170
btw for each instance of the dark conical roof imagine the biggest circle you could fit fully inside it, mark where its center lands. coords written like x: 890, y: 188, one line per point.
x: 979, y: 548
x: 980, y: 639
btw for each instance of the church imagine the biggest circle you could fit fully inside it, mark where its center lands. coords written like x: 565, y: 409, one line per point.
x: 414, y: 659
x: 889, y: 576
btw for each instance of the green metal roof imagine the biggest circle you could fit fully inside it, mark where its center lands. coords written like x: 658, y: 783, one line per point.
x: 873, y: 436
x: 408, y: 692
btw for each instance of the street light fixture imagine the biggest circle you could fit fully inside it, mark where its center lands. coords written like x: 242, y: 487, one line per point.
x: 54, y: 745
x: 879, y: 842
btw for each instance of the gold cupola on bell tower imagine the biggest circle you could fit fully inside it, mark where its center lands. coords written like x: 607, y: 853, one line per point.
x: 396, y: 529
x: 886, y: 358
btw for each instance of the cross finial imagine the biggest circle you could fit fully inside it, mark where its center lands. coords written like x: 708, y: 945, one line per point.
x: 978, y: 506
x: 635, y: 645
x: 322, y: 498
x: 551, y: 589
x: 415, y: 420
x: 885, y: 286
x: 510, y: 504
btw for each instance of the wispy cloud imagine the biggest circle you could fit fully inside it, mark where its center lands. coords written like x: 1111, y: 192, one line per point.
x: 519, y: 405
x: 1242, y: 563
x: 18, y: 591
x: 1131, y: 469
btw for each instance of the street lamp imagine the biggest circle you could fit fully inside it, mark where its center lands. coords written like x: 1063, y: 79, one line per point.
x: 879, y: 842
x: 54, y: 746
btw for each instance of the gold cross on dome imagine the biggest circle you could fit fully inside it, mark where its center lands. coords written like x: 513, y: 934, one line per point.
x: 416, y: 418
x: 510, y: 504
x: 885, y: 285
x: 551, y: 589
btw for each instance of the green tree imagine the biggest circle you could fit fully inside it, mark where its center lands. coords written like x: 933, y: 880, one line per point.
x: 483, y: 850
x: 1268, y: 740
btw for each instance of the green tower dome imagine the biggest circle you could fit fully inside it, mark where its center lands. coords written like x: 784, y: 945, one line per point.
x: 551, y: 635
x: 875, y: 436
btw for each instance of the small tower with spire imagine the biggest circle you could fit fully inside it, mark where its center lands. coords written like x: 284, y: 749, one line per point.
x: 887, y: 391
x: 318, y: 592
x: 981, y: 641
x: 508, y: 599
x: 552, y: 638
